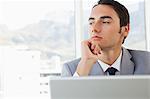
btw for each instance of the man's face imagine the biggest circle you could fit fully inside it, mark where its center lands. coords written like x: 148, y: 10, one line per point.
x: 104, y: 27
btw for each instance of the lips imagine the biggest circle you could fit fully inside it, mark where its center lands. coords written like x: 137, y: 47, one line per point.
x: 96, y: 37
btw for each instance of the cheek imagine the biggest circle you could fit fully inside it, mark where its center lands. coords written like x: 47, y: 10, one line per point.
x: 110, y: 37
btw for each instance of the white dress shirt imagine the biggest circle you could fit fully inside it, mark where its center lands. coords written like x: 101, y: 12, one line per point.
x: 105, y: 66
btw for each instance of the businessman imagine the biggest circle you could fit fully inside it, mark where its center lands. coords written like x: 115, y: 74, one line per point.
x: 102, y: 53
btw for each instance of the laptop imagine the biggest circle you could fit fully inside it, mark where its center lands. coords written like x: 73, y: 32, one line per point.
x: 102, y: 87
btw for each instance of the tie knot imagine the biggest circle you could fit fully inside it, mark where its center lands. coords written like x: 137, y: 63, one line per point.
x: 111, y: 71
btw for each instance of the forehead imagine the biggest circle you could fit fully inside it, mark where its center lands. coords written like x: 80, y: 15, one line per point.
x: 104, y: 10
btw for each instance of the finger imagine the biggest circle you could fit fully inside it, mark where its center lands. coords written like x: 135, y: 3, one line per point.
x: 99, y: 52
x: 85, y: 46
x: 98, y: 49
x: 93, y: 52
x: 98, y: 55
x: 93, y: 47
x: 89, y: 49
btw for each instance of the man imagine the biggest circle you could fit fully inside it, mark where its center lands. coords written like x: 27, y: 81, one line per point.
x: 103, y: 53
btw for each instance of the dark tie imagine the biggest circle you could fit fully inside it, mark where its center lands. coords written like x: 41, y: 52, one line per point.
x: 111, y: 71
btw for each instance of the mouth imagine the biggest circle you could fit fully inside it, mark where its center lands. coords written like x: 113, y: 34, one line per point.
x: 96, y: 37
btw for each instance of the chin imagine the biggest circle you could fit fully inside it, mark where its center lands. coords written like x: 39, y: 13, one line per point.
x: 95, y: 41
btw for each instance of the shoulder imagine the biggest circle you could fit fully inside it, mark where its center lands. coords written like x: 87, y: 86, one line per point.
x: 69, y: 68
x: 141, y: 60
x: 72, y: 63
x: 139, y: 53
x: 136, y: 54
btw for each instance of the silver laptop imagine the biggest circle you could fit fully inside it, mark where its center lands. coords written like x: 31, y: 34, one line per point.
x: 103, y: 87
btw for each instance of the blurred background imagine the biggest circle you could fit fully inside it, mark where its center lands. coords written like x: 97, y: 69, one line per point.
x: 38, y: 36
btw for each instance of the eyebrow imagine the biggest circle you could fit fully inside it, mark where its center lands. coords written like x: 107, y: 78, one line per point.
x: 102, y: 17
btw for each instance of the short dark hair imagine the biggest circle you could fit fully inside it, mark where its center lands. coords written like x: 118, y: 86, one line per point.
x: 120, y: 9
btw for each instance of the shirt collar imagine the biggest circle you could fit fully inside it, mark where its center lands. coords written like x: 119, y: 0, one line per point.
x: 116, y: 64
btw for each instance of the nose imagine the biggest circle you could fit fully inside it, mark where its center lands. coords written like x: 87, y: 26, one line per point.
x: 96, y: 28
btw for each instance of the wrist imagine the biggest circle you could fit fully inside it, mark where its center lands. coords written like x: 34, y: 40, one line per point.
x: 84, y: 67
x: 89, y: 61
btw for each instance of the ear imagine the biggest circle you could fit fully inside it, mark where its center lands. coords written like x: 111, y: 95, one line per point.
x: 125, y: 30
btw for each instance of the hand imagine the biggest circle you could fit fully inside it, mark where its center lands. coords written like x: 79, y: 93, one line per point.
x: 90, y: 53
x: 95, y: 48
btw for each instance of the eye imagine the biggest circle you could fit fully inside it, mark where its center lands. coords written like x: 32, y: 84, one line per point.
x: 90, y: 23
x: 106, y: 22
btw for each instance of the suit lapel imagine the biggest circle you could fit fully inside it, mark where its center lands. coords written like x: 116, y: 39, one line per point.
x: 127, y: 66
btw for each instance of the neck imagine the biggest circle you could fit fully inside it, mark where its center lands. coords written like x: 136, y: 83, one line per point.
x: 110, y: 56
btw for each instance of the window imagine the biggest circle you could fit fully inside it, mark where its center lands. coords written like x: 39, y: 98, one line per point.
x: 36, y: 38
